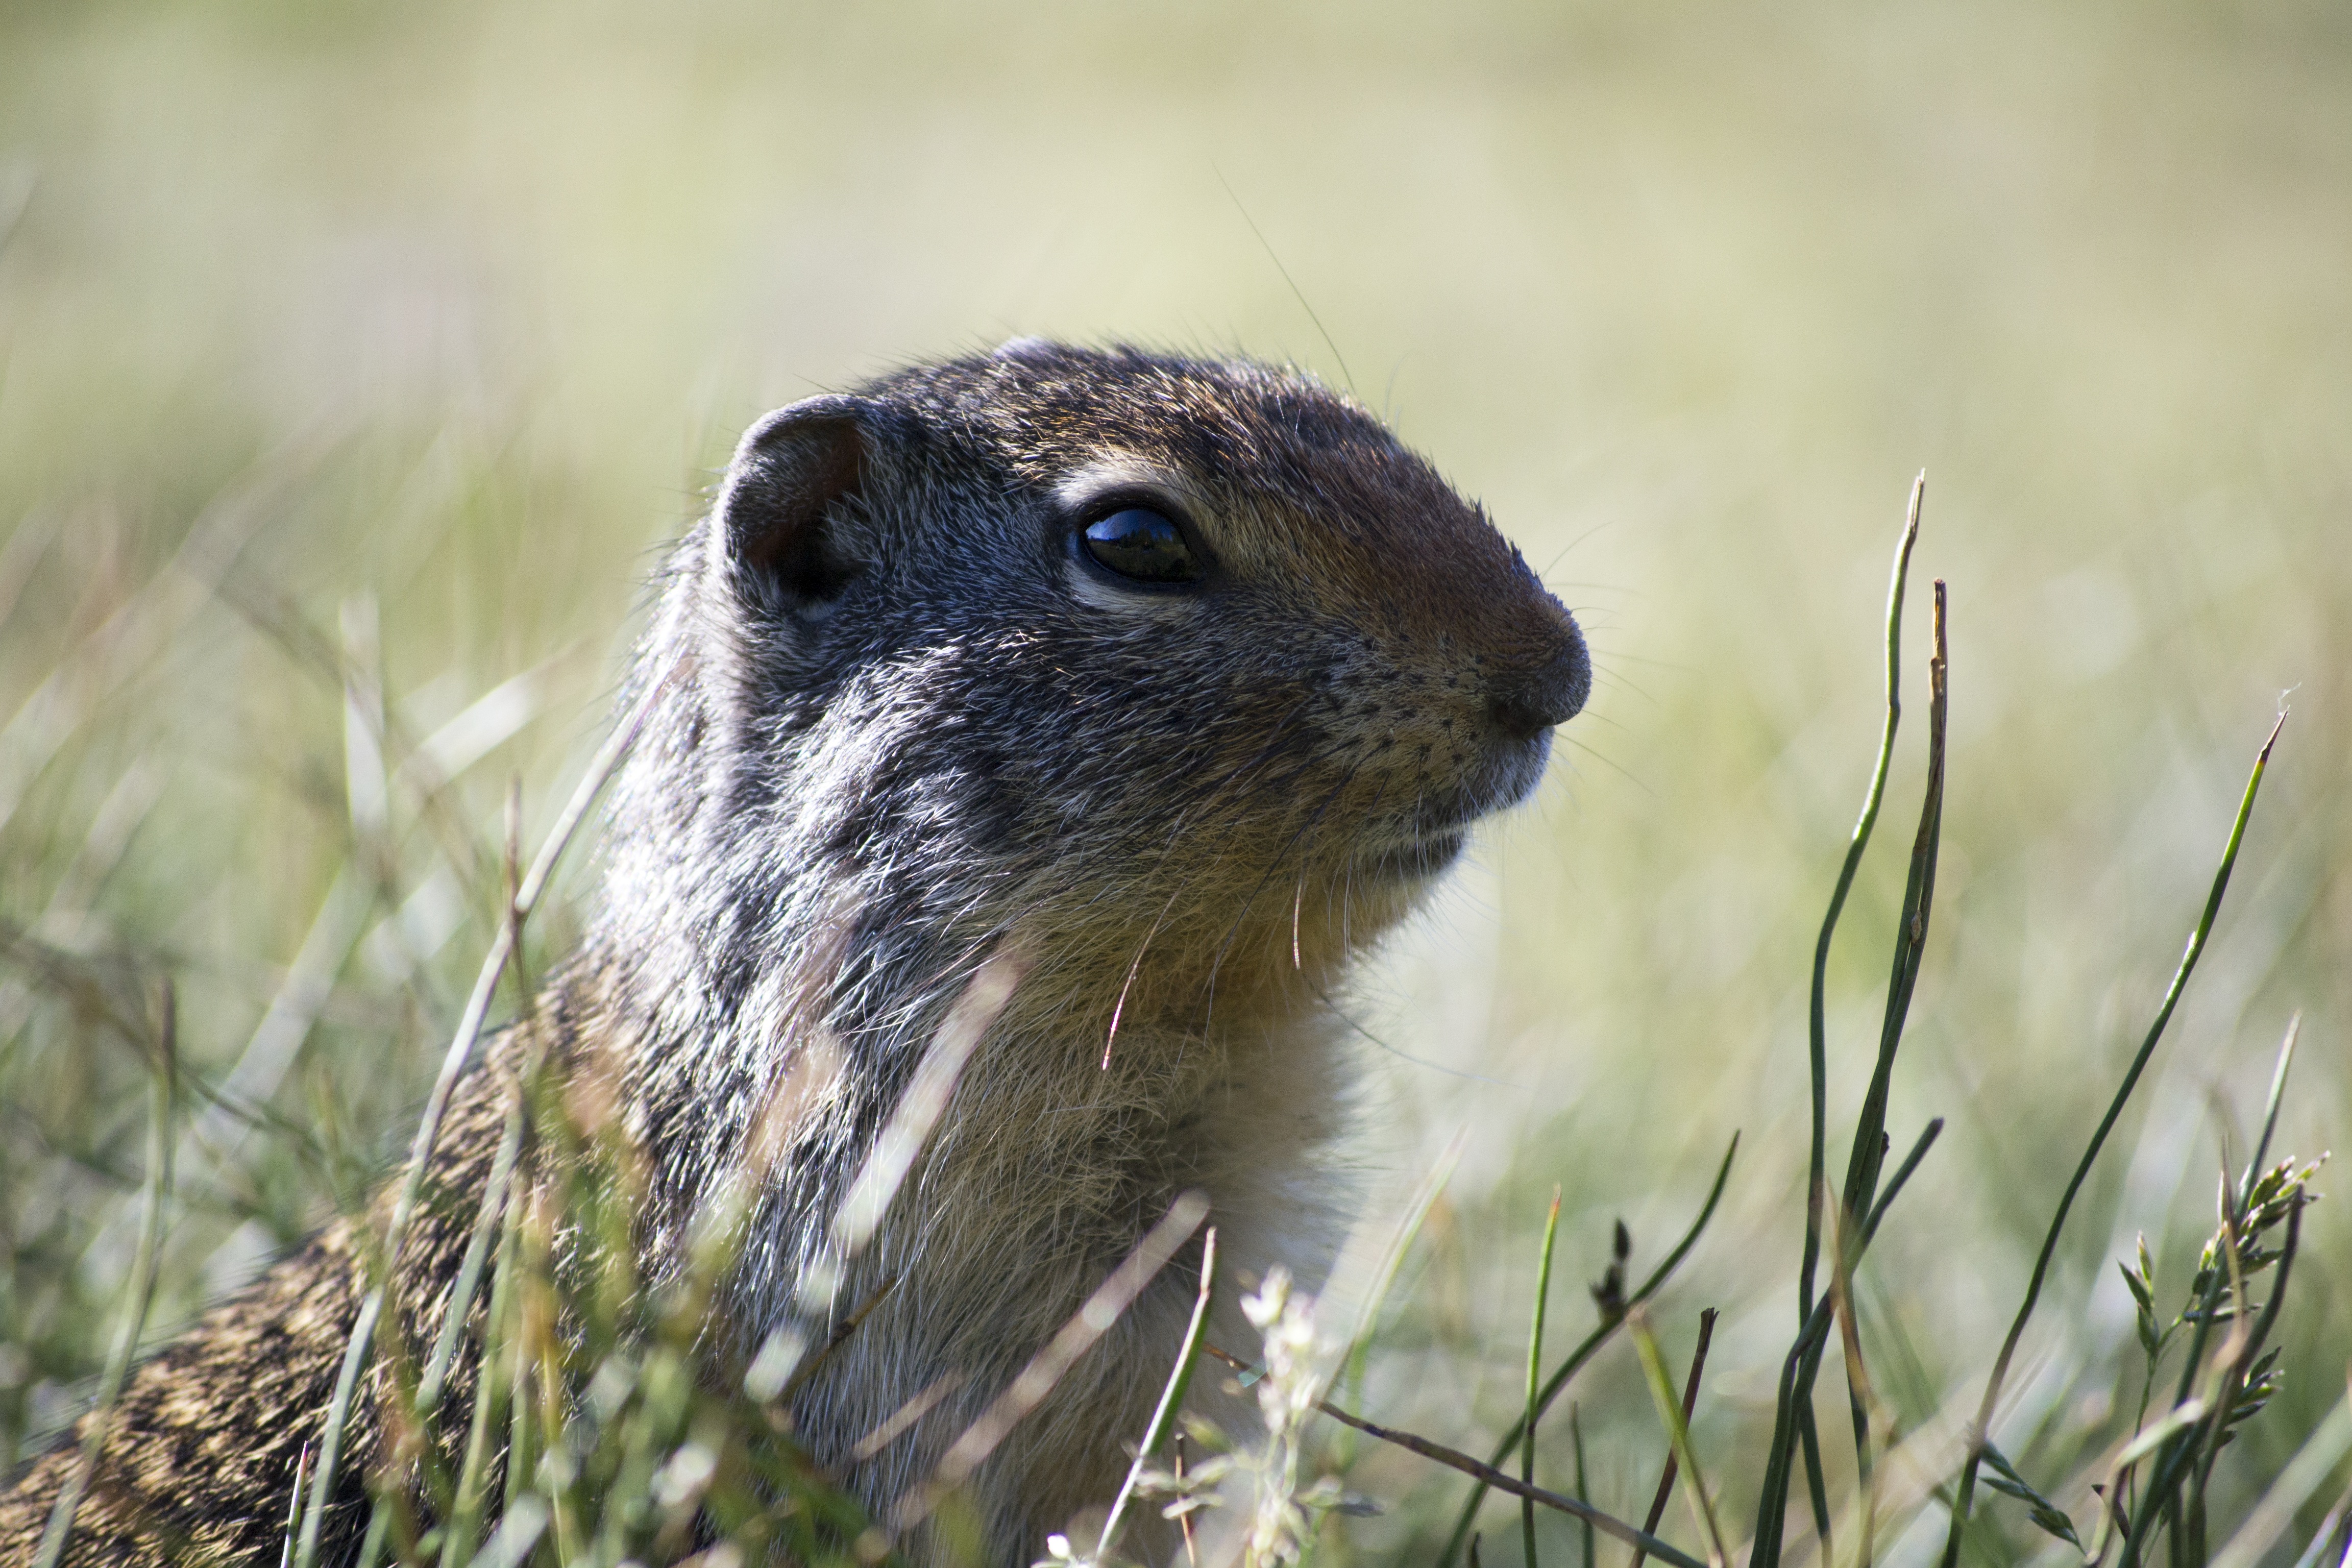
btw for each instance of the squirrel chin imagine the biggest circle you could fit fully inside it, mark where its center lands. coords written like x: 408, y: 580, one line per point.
x: 1421, y: 860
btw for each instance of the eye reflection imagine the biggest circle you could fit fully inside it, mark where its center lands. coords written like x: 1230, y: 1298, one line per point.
x: 1140, y: 543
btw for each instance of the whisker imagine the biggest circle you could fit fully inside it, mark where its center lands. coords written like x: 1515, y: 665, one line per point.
x: 1120, y: 1007
x: 1209, y: 1012
x: 1344, y: 1017
x: 1612, y: 766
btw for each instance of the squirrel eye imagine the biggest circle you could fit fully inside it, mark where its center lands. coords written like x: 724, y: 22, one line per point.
x: 1136, y: 542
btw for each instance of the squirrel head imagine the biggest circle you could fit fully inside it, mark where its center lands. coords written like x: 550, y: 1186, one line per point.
x: 1169, y: 666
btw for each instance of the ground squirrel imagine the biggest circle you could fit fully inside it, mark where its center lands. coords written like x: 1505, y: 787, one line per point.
x: 1171, y: 682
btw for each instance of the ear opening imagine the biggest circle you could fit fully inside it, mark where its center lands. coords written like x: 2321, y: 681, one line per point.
x: 778, y: 515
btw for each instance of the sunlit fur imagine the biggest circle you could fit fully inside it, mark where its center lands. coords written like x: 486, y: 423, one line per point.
x: 947, y: 741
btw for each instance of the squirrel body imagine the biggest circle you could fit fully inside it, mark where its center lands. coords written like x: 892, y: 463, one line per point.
x: 1131, y: 695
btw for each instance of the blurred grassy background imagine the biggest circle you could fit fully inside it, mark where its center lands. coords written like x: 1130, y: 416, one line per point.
x: 402, y: 338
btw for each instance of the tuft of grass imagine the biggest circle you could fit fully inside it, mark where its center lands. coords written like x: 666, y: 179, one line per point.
x: 163, y: 1106
x: 568, y: 1409
x: 2158, y: 1482
x: 2188, y: 965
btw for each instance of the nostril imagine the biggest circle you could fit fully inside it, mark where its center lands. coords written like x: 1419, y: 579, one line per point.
x: 1526, y: 704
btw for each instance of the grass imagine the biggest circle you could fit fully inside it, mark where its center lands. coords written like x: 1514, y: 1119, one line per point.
x: 604, y: 1425
x: 352, y: 373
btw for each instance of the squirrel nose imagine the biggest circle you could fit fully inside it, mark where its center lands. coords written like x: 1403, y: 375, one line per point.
x: 1525, y: 704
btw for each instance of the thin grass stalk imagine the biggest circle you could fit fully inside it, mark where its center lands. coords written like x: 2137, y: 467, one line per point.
x: 469, y: 1269
x: 1172, y: 1397
x: 1584, y: 1352
x: 2163, y: 1501
x: 2229, y: 1366
x: 2123, y: 1470
x: 1869, y: 1155
x: 1980, y: 1431
x: 1817, y: 1035
x: 888, y: 1161
x: 2271, y: 1105
x: 294, y: 1507
x: 1796, y: 1425
x: 1360, y: 1341
x: 428, y: 1128
x: 1859, y: 1395
x: 2326, y: 1536
x: 2163, y: 1475
x: 815, y: 1362
x: 162, y: 1099
x: 1809, y: 1444
x: 2255, y: 1342
x: 2195, y: 1447
x: 1690, y: 1403
x: 1504, y: 1481
x: 372, y: 1544
x: 781, y: 1363
x: 1535, y: 1379
x: 1176, y: 1461
x: 1670, y: 1416
x: 493, y: 1382
x: 1803, y: 1362
x: 1817, y: 1175
x: 525, y: 1441
x: 1108, y: 1303
x: 1584, y: 1488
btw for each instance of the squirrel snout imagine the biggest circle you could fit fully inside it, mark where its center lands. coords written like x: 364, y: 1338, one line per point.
x: 1525, y: 703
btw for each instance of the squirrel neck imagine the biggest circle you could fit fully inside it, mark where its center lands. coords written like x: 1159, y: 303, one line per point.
x: 780, y: 1022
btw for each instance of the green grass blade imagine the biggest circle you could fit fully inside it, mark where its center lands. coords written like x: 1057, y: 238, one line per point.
x: 1809, y: 1440
x: 294, y: 1505
x: 428, y: 1128
x: 2197, y: 938
x: 493, y: 1381
x: 469, y: 1272
x: 1172, y: 1397
x: 1817, y: 1037
x: 1576, y: 1508
x: 1535, y: 1380
x: 1866, y: 1160
x: 1585, y: 1350
x: 162, y: 1100
x: 1670, y: 1415
x: 1869, y: 1153
x: 2271, y: 1108
x: 1360, y: 1341
x: 1690, y: 1403
x: 1584, y: 1488
x: 1803, y: 1363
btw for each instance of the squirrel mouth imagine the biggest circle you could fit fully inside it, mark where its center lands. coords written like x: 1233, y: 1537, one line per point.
x: 1416, y: 860
x: 1425, y: 842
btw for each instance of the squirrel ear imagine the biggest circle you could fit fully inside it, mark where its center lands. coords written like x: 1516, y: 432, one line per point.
x: 790, y: 472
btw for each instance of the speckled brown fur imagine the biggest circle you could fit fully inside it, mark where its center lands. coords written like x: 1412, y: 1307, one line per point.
x: 202, y: 1452
x: 909, y: 730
